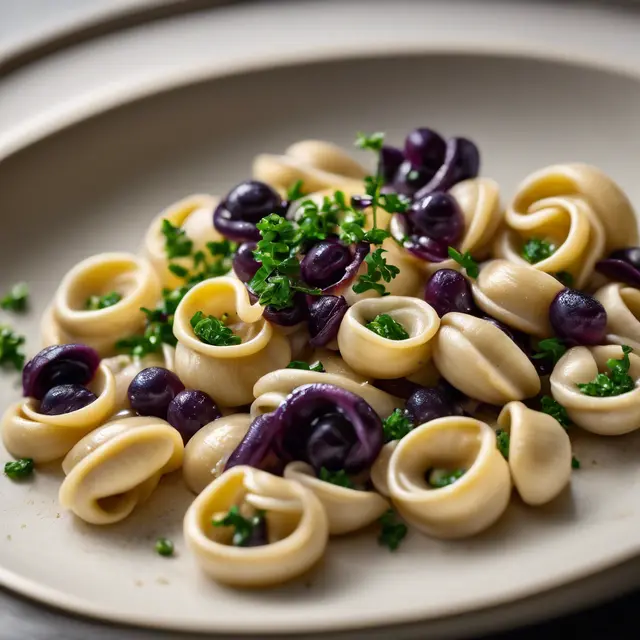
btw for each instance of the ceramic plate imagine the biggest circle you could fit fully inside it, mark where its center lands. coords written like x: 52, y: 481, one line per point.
x: 95, y: 186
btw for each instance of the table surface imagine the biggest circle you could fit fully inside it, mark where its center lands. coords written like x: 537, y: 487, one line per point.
x: 29, y: 24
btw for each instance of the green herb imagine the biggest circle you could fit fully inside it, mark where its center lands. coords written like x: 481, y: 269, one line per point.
x: 95, y: 303
x: 164, y: 547
x: 565, y: 277
x: 212, y: 331
x: 439, y: 478
x: 317, y: 222
x: 396, y: 426
x: 178, y: 270
x: 377, y: 269
x: 465, y: 260
x: 386, y: 327
x: 18, y: 469
x: 295, y: 191
x: 503, y: 441
x: 373, y: 141
x: 392, y: 532
x: 176, y: 241
x: 555, y: 410
x: 575, y: 463
x: 614, y: 383
x: 536, y: 250
x: 16, y: 299
x: 244, y: 527
x: 339, y: 478
x: 552, y: 348
x: 10, y: 348
x: 305, y: 366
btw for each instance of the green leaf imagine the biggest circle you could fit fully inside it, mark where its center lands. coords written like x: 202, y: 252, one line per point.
x: 575, y: 463
x: 295, y: 191
x: 339, y: 478
x: 397, y: 425
x: 614, y: 383
x: 305, y: 366
x: 465, y: 260
x: 18, y: 469
x: 11, y: 354
x: 555, y: 410
x: 386, y: 327
x: 17, y: 298
x: 244, y: 527
x: 439, y: 478
x: 392, y: 532
x: 394, y: 202
x: 536, y: 250
x: 376, y: 236
x: 212, y: 331
x: 503, y: 441
x: 377, y: 269
x: 371, y: 141
x: 164, y: 547
x: 565, y: 277
x: 176, y: 241
x: 95, y: 303
x: 552, y: 348
x: 179, y: 270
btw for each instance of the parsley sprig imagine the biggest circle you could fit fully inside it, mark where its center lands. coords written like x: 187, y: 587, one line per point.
x: 392, y: 531
x: 465, y: 260
x: 18, y: 469
x: 503, y: 440
x: 213, y: 331
x: 339, y: 478
x: 245, y: 528
x: 176, y: 242
x: 555, y: 410
x: 552, y: 348
x: 440, y: 478
x: 295, y: 191
x: 614, y: 383
x: 575, y: 463
x: 397, y: 425
x: 17, y: 298
x: 95, y: 303
x: 377, y: 270
x: 536, y: 250
x: 11, y: 354
x: 565, y: 277
x: 386, y: 327
x: 164, y: 547
x: 305, y: 366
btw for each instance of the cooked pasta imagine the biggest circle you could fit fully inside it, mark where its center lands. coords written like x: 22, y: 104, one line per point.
x: 622, y: 305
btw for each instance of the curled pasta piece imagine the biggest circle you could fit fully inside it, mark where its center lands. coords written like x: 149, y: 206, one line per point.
x: 320, y: 165
x: 380, y: 469
x: 347, y: 509
x: 207, y: 451
x: 517, y: 295
x: 116, y: 467
x: 296, y: 522
x: 67, y: 320
x: 226, y: 373
x: 605, y: 198
x: 482, y: 361
x: 608, y: 416
x: 27, y: 433
x: 273, y: 388
x: 333, y: 363
x: 539, y: 453
x: 622, y: 305
x: 469, y: 505
x: 371, y: 355
x: 194, y: 215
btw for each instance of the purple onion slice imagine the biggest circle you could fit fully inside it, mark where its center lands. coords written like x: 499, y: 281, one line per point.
x: 325, y: 316
x: 256, y: 446
x: 359, y: 254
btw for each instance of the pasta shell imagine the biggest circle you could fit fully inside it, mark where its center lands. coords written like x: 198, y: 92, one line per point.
x: 622, y: 305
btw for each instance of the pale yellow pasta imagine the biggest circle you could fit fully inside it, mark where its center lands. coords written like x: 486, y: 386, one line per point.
x: 608, y: 416
x: 27, y: 433
x: 480, y: 360
x: 347, y: 509
x: 209, y: 449
x: 227, y: 373
x: 539, y: 453
x: 116, y: 467
x: 371, y: 355
x: 333, y: 363
x: 516, y: 294
x: 568, y: 223
x: 297, y: 528
x: 194, y: 215
x: 622, y: 304
x: 469, y: 505
x: 380, y: 469
x: 273, y: 388
x: 320, y: 165
x: 67, y: 320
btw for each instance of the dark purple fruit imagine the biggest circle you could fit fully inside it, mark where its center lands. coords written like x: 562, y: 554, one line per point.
x: 245, y: 265
x: 448, y: 290
x: 332, y: 436
x: 152, y: 390
x: 325, y: 316
x: 191, y: 410
x: 325, y: 264
x: 425, y: 147
x: 437, y: 216
x: 66, y: 398
x: 578, y: 318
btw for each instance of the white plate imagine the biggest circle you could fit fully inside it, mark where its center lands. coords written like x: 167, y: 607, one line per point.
x: 95, y: 187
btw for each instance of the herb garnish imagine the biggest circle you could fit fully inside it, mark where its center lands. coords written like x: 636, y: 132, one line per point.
x: 18, y: 469
x: 95, y: 303
x: 176, y: 241
x: 536, y: 250
x: 552, y: 348
x: 244, y: 527
x: 371, y: 141
x: 503, y: 440
x: 16, y: 299
x: 440, y: 478
x: 339, y: 478
x: 575, y: 463
x: 386, y: 327
x: 565, y: 277
x: 164, y: 547
x: 555, y: 410
x: 10, y: 348
x: 614, y: 383
x: 212, y: 331
x: 377, y: 269
x: 295, y: 191
x: 396, y: 426
x: 392, y: 532
x: 465, y: 260
x: 305, y: 366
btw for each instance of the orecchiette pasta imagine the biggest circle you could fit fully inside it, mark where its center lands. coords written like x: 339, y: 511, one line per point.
x: 372, y: 355
x: 208, y: 450
x: 622, y: 305
x: 480, y: 360
x: 227, y: 373
x: 347, y: 509
x: 297, y: 528
x: 608, y: 416
x: 116, y: 467
x: 193, y: 215
x: 380, y: 469
x: 539, y: 453
x: 469, y: 505
x: 28, y: 433
x: 517, y: 295
x: 67, y: 319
